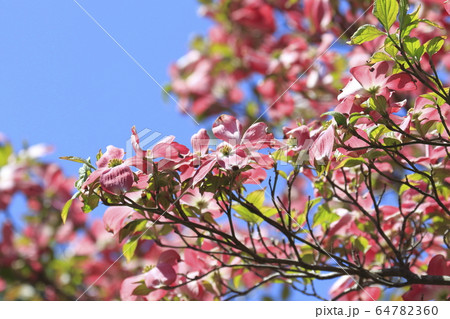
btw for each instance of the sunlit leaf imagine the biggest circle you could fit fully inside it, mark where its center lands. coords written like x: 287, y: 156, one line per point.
x: 351, y: 162
x: 338, y: 117
x: 65, y: 210
x: 365, y: 33
x: 77, y: 160
x: 130, y: 247
x: 257, y: 198
x: 413, y: 47
x: 380, y: 56
x: 361, y: 244
x: 386, y: 12
x: 246, y: 215
x: 5, y: 152
x: 324, y: 216
x: 434, y: 45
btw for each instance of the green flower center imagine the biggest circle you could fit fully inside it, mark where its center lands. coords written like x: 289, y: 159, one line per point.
x: 226, y: 150
x: 374, y: 89
x: 201, y: 204
x: 292, y: 141
x: 114, y: 162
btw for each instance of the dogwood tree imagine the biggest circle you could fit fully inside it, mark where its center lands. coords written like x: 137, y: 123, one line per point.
x: 40, y: 258
x: 328, y: 159
x: 351, y: 170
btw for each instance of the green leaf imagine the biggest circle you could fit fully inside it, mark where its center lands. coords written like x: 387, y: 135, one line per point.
x: 286, y: 291
x: 309, y: 205
x: 386, y: 12
x: 130, y: 247
x: 361, y: 244
x: 373, y: 154
x: 410, y: 22
x: 365, y: 33
x: 338, y: 117
x: 403, y: 12
x: 237, y: 281
x: 400, y: 65
x: 198, y: 43
x: 437, y: 100
x: 257, y: 198
x: 413, y: 47
x: 390, y: 48
x: 252, y: 109
x: 434, y: 45
x: 301, y: 219
x: 153, y: 232
x: 268, y: 211
x: 308, y: 258
x: 379, y: 56
x: 356, y: 116
x: 403, y: 188
x: 65, y: 210
x: 5, y: 152
x: 351, y: 162
x: 132, y: 227
x: 142, y: 290
x: 89, y: 202
x: 282, y: 174
x: 416, y: 178
x: 77, y: 160
x: 246, y: 215
x: 222, y: 50
x: 379, y: 104
x: 99, y: 154
x: 324, y: 216
x: 429, y: 22
x: 191, y: 211
x: 391, y: 141
x: 441, y: 173
x: 208, y: 218
x: 280, y: 155
x: 378, y: 131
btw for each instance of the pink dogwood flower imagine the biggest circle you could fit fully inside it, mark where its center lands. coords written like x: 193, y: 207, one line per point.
x: 199, y: 163
x: 115, y: 218
x: 163, y: 274
x: 238, y: 149
x: 203, y: 202
x: 167, y: 150
x: 374, y: 80
x: 297, y: 139
x: 114, y: 175
x: 322, y: 148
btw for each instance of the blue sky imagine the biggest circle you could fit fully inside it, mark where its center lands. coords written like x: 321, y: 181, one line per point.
x: 65, y: 82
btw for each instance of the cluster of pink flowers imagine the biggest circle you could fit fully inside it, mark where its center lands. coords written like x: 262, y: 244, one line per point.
x: 40, y: 257
x: 240, y: 154
x: 373, y: 139
x: 297, y: 66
